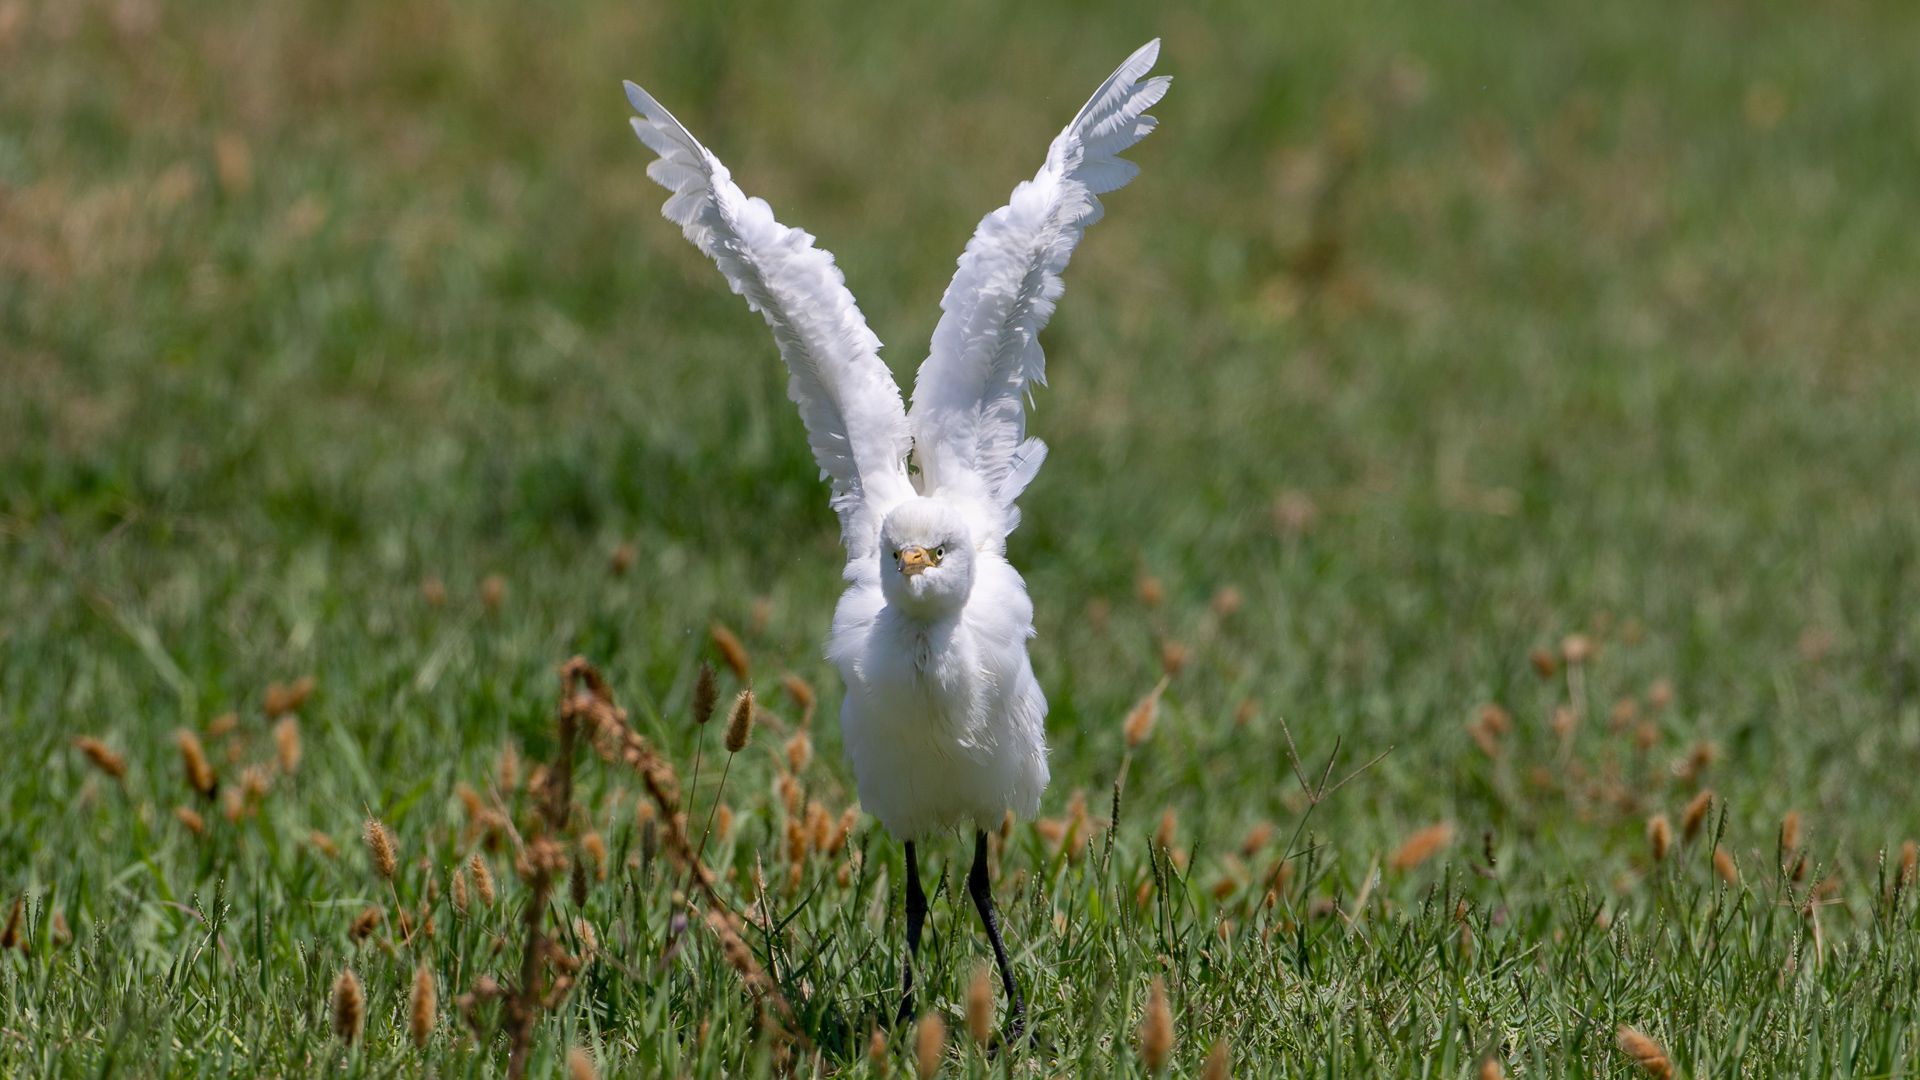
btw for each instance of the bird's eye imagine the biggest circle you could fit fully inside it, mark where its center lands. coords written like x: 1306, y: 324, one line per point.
x: 940, y: 552
x: 896, y: 556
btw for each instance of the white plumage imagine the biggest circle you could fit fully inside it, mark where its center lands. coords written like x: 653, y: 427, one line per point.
x: 943, y: 718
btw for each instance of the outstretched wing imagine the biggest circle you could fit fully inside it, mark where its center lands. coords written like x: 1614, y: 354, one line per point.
x: 969, y: 418
x: 847, y: 397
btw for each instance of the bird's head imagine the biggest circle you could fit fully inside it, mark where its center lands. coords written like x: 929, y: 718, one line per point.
x: 926, y: 558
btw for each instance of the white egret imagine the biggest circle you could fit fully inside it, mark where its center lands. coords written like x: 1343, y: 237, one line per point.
x: 943, y: 718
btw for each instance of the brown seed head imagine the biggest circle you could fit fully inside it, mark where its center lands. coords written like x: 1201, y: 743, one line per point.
x: 929, y: 1043
x: 365, y: 923
x: 1219, y: 1064
x: 1723, y: 866
x: 1226, y: 602
x: 980, y: 1007
x: 1659, y: 835
x: 232, y: 806
x: 422, y: 1006
x: 507, y: 769
x: 1660, y: 694
x: 1645, y: 736
x: 1257, y: 838
x: 722, y: 822
x: 1790, y: 832
x: 349, y: 1006
x: 819, y: 827
x: 1544, y: 663
x: 380, y: 847
x: 877, y: 1053
x: 1908, y: 856
x: 1173, y: 657
x: 596, y: 851
x: 706, y: 693
x: 223, y: 725
x: 101, y: 757
x: 322, y: 843
x: 193, y: 756
x: 1163, y: 836
x: 191, y: 818
x: 580, y: 1065
x: 731, y: 651
x: 740, y: 722
x: 286, y: 744
x: 1646, y: 1053
x: 493, y: 593
x: 799, y: 752
x: 1565, y: 721
x: 1139, y: 724
x: 13, y: 935
x: 622, y: 558
x: 1496, y: 720
x: 1151, y: 591
x: 1695, y: 815
x: 1156, y: 1028
x: 1294, y: 514
x: 482, y: 879
x: 60, y: 933
x: 433, y: 591
x: 1576, y: 648
x: 1490, y: 1070
x: 801, y: 692
x: 1421, y: 846
x: 1625, y: 711
x: 457, y: 893
x: 1244, y: 715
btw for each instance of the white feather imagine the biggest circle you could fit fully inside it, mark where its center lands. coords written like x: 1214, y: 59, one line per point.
x: 847, y: 397
x: 969, y: 417
x: 943, y: 717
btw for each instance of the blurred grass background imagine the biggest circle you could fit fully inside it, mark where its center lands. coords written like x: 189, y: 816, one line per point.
x: 1434, y: 332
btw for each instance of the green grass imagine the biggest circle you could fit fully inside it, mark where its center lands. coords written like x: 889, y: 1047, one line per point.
x: 1564, y: 319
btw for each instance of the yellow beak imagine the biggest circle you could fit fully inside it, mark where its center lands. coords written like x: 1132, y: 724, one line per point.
x: 914, y: 559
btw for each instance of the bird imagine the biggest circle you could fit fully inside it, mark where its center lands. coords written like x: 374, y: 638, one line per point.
x: 943, y: 719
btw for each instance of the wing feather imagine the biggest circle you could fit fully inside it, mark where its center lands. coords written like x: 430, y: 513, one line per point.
x: 848, y: 400
x: 969, y: 418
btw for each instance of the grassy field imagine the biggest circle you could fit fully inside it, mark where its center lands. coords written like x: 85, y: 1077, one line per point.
x: 1524, y: 392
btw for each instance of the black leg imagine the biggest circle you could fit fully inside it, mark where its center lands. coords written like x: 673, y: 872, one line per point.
x: 982, y: 891
x: 916, y: 917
